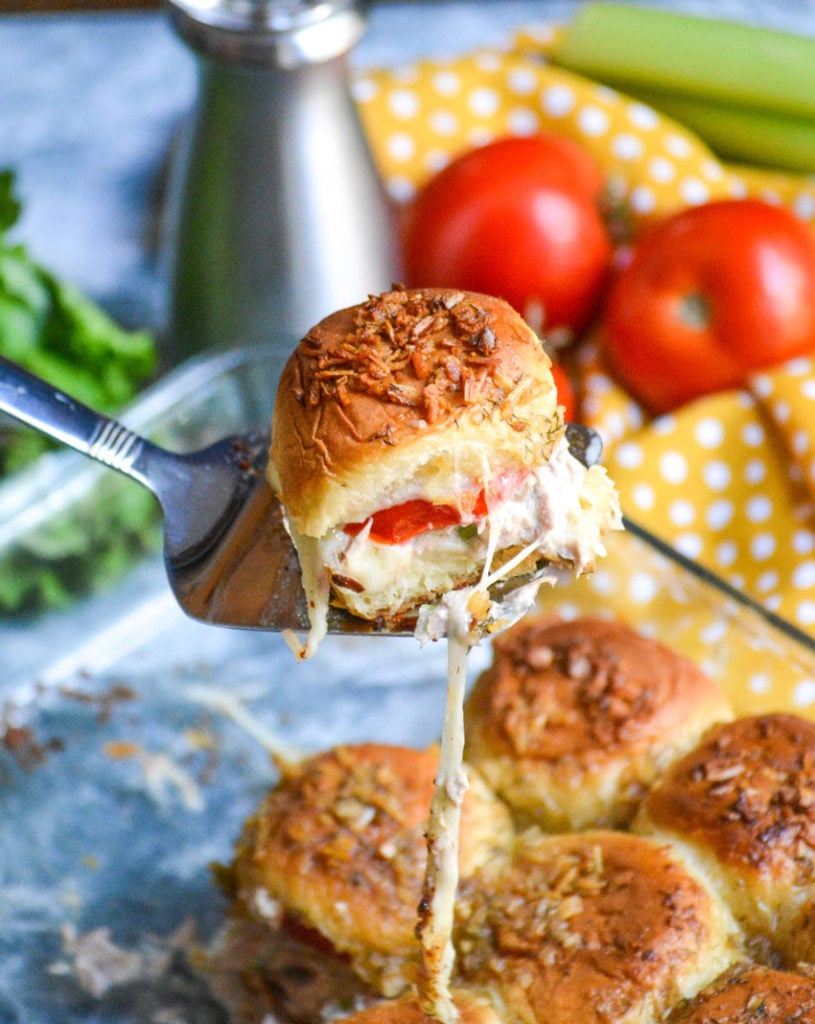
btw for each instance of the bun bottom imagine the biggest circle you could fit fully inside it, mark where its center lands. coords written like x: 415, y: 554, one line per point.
x: 424, y: 581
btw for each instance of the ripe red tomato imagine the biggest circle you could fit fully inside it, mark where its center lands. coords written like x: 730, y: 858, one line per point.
x: 711, y: 293
x: 399, y: 523
x: 517, y: 218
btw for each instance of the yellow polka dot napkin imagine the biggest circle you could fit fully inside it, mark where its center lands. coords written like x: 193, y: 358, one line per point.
x: 419, y: 116
x: 729, y: 479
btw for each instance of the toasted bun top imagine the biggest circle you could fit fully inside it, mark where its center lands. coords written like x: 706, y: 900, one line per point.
x: 340, y: 842
x: 388, y: 400
x: 745, y: 795
x: 593, y: 919
x: 589, y: 689
x: 407, y: 1011
x: 750, y: 993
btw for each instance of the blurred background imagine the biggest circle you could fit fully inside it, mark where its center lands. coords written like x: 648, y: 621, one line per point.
x: 92, y: 96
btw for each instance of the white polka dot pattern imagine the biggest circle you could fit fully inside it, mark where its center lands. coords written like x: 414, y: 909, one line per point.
x: 417, y: 112
x: 723, y: 478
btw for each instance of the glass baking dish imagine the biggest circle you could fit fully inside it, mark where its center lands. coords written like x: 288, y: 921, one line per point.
x: 134, y: 741
x: 69, y: 527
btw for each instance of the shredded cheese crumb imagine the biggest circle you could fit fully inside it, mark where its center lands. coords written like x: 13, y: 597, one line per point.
x: 226, y: 703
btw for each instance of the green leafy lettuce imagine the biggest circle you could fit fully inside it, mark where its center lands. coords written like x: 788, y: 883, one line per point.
x: 60, y: 334
x: 55, y: 331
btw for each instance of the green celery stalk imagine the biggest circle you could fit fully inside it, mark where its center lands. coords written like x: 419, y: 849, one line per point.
x: 632, y: 47
x: 737, y: 133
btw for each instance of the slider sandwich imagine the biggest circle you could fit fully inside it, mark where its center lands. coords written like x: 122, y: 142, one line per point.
x: 751, y: 993
x: 337, y: 849
x: 741, y: 803
x: 417, y: 449
x: 574, y: 720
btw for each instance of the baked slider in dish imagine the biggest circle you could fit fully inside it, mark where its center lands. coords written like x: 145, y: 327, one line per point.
x: 337, y: 849
x: 752, y: 994
x: 597, y: 927
x: 407, y: 1010
x: 573, y: 720
x: 417, y: 448
x: 742, y: 805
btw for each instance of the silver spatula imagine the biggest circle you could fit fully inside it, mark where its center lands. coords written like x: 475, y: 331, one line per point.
x: 229, y: 559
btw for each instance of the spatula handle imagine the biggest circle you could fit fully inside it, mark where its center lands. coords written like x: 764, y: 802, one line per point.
x: 38, y: 404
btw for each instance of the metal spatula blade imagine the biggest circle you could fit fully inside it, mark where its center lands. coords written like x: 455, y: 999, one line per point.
x: 229, y: 559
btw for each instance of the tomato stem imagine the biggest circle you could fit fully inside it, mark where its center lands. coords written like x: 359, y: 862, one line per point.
x: 694, y: 311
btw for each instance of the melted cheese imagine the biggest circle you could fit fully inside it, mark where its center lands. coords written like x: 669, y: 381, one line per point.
x: 559, y: 513
x: 464, y: 614
x: 435, y: 927
x: 317, y: 586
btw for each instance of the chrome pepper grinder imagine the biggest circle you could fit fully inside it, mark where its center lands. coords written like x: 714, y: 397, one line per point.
x: 277, y: 215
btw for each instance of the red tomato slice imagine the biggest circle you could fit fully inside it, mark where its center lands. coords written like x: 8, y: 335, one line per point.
x: 400, y: 523
x: 498, y: 490
x: 304, y: 933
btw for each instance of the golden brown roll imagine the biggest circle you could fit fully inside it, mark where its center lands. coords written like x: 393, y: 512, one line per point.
x: 592, y: 928
x: 406, y: 1010
x: 573, y: 721
x: 742, y: 803
x: 338, y: 847
x: 413, y: 431
x: 752, y: 994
